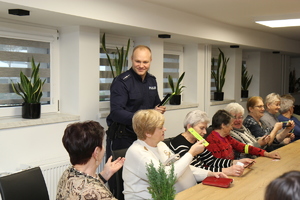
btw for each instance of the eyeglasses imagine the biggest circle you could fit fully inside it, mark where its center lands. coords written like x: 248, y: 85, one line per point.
x: 260, y: 107
x: 240, y: 117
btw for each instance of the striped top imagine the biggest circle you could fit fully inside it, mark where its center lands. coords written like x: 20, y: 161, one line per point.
x: 205, y: 160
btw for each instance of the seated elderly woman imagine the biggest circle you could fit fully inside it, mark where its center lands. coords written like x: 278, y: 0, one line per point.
x: 255, y: 107
x: 181, y: 144
x: 287, y: 110
x: 148, y: 125
x: 272, y: 106
x: 83, y: 141
x: 243, y: 134
x: 221, y: 144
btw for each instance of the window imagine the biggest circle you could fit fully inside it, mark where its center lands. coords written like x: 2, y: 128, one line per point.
x: 106, y: 78
x: 173, y: 59
x: 15, y: 56
x: 214, y: 66
x: 18, y: 44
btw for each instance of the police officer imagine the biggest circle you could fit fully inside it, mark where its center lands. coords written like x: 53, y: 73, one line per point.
x: 131, y: 91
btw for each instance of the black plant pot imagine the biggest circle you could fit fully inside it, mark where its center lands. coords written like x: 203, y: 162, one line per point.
x: 31, y: 110
x: 244, y: 93
x: 175, y: 99
x: 218, y: 96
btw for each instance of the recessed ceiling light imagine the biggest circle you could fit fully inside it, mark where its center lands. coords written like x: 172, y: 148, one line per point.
x: 280, y: 23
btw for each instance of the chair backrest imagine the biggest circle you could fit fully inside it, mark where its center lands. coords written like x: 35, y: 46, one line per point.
x: 28, y: 184
x: 119, y: 180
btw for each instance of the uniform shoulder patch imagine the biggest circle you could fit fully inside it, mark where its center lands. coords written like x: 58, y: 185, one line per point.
x: 126, y: 77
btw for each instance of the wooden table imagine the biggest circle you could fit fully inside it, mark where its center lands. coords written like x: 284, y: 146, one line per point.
x: 251, y: 185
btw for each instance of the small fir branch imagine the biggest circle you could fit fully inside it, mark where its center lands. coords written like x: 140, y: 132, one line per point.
x: 161, y: 183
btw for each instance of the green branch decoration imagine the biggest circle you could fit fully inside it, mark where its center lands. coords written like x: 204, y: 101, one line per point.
x: 246, y: 79
x: 30, y: 88
x: 161, y: 184
x: 177, y: 90
x: 120, y: 58
x: 219, y: 75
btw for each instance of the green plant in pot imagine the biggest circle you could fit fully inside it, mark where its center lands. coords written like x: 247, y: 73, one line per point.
x: 246, y: 81
x: 176, y: 89
x: 219, y: 75
x: 30, y: 89
x: 120, y: 58
x: 161, y: 184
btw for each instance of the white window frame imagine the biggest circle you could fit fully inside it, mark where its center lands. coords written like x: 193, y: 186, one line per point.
x: 26, y: 32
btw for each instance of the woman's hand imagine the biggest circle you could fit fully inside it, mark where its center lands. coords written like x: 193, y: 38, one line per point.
x: 197, y: 148
x: 112, y: 167
x: 264, y: 140
x: 286, y: 140
x: 290, y: 125
x: 292, y: 136
x: 217, y: 174
x: 278, y: 126
x: 234, y: 170
x: 273, y: 154
x: 245, y: 161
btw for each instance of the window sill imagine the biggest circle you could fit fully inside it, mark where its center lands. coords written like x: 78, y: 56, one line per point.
x: 46, y: 118
x: 183, y: 105
x: 225, y: 101
x: 105, y: 112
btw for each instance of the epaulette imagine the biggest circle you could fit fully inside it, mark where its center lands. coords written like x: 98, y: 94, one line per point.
x: 126, y: 77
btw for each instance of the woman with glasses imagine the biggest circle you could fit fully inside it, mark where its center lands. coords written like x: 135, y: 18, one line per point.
x: 241, y: 133
x: 222, y: 145
x: 272, y: 106
x: 258, y: 128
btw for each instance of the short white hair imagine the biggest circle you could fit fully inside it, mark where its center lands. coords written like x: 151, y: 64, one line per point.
x: 271, y: 98
x: 195, y: 117
x: 235, y: 108
x: 285, y: 105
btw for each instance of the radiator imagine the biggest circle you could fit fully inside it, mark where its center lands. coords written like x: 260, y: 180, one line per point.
x: 52, y: 173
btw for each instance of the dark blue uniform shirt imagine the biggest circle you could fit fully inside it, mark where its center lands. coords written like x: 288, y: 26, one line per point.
x: 128, y: 94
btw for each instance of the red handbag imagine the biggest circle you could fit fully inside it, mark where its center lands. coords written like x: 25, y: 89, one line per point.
x: 218, y: 182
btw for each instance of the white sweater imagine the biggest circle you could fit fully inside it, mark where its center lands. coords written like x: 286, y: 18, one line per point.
x: 140, y: 154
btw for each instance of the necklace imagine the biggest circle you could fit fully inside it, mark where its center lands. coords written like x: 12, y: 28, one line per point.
x: 85, y: 174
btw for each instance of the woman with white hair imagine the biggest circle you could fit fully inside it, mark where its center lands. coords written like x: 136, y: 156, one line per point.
x: 243, y: 134
x: 182, y: 143
x: 287, y: 110
x: 272, y: 106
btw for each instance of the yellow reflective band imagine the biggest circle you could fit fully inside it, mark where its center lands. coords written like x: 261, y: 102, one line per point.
x: 246, y: 150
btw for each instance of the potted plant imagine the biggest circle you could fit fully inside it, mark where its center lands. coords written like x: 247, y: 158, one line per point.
x: 30, y: 89
x: 219, y: 75
x: 176, y: 89
x: 161, y: 184
x: 246, y: 81
x: 119, y: 60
